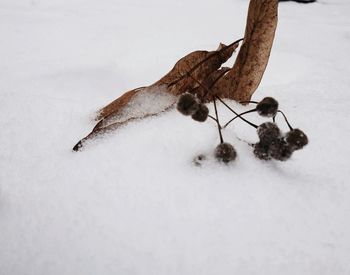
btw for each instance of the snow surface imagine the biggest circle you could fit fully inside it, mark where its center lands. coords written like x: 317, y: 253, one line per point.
x: 148, y: 101
x: 133, y: 202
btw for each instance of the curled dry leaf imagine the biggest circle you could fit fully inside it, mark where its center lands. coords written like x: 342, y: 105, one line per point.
x: 202, y: 65
x: 161, y: 96
x: 179, y: 80
x: 131, y: 106
x: 117, y: 104
x: 241, y: 82
x: 209, y: 82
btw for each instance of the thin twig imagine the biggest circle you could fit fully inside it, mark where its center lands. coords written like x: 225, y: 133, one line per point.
x: 285, y: 118
x: 209, y: 91
x: 213, y: 118
x: 241, y: 114
x: 217, y: 120
x: 233, y: 111
x: 249, y: 101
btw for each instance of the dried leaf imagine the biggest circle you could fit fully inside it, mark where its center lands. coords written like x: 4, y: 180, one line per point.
x: 133, y: 105
x: 159, y: 97
x: 244, y: 78
x: 203, y: 67
x: 201, y: 92
x: 213, y: 61
x: 117, y: 104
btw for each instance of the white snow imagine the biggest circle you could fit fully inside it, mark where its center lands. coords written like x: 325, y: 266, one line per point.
x: 133, y: 202
x: 147, y: 101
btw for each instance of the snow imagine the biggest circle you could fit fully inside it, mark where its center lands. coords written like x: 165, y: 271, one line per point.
x: 148, y: 101
x: 133, y: 202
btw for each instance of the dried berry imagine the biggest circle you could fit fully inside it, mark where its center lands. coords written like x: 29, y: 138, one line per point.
x: 261, y: 151
x: 267, y: 107
x: 199, y: 159
x: 201, y: 114
x: 268, y: 132
x: 225, y: 152
x: 297, y: 139
x: 187, y: 104
x: 280, y: 150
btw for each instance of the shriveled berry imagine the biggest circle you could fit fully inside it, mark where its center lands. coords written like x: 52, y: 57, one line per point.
x: 187, y: 104
x: 225, y: 152
x: 261, y: 151
x: 199, y: 159
x: 267, y: 107
x: 268, y: 132
x: 201, y: 114
x: 280, y: 150
x: 297, y: 139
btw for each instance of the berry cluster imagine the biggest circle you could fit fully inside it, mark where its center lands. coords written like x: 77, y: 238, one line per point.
x: 272, y: 144
x: 189, y: 105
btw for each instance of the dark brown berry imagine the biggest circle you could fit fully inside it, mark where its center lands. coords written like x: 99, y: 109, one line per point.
x: 280, y: 150
x: 187, y: 104
x: 267, y: 107
x: 201, y: 114
x: 268, y: 132
x: 261, y: 151
x: 297, y: 139
x: 225, y: 152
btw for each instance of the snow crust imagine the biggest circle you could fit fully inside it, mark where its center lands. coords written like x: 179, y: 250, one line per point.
x: 134, y: 202
x: 148, y: 101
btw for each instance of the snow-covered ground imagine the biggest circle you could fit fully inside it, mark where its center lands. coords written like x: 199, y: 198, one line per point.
x: 133, y: 202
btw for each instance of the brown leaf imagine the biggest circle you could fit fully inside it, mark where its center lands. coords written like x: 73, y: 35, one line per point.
x: 161, y: 96
x: 244, y: 78
x: 133, y: 105
x: 198, y: 72
x: 201, y: 65
x: 205, y: 94
x: 211, y: 61
x: 117, y: 104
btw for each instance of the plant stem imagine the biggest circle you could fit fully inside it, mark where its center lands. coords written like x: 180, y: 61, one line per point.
x: 228, y: 107
x: 241, y: 114
x: 217, y: 120
x: 249, y: 101
x: 213, y: 118
x: 285, y: 118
